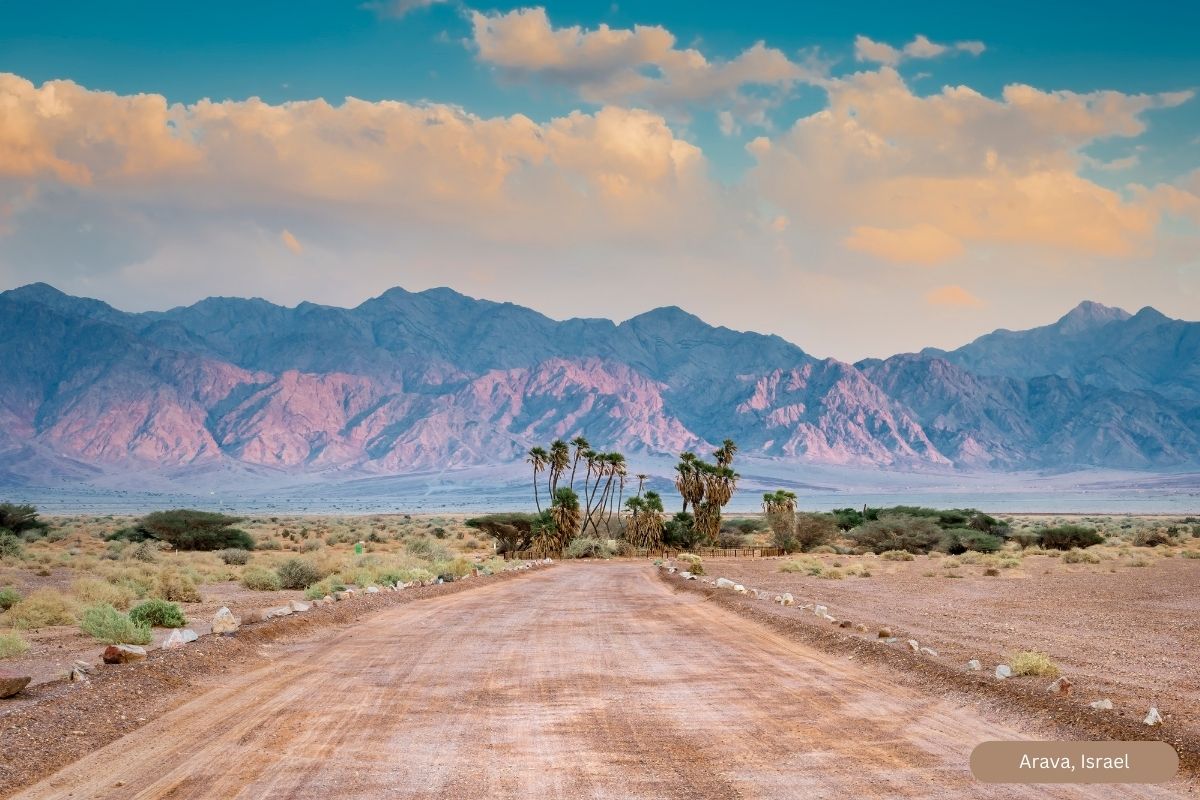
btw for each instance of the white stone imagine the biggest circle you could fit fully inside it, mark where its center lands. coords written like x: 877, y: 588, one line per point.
x: 914, y: 645
x: 281, y: 611
x: 929, y: 651
x: 1102, y: 705
x: 737, y: 587
x: 375, y: 589
x: 1153, y: 718
x: 1003, y: 671
x: 175, y: 639
x: 687, y: 576
x: 787, y: 599
x: 725, y: 583
x: 974, y: 665
x: 821, y: 611
x: 299, y: 607
x: 225, y: 621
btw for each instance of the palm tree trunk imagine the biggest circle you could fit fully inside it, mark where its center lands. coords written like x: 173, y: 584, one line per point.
x: 536, y: 501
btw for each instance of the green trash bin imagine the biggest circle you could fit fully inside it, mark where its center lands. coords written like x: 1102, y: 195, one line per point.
x: 358, y: 548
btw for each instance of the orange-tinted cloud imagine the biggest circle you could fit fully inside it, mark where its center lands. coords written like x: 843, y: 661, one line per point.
x: 291, y: 242
x: 953, y: 296
x: 921, y: 244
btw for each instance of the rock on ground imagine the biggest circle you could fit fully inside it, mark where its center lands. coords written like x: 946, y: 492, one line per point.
x: 11, y: 683
x: 821, y: 611
x: 299, y: 607
x: 225, y: 621
x: 914, y: 645
x: 123, y: 653
x: 885, y: 633
x: 974, y: 665
x: 1153, y: 718
x: 929, y: 651
x: 1102, y: 705
x: 1003, y: 671
x: 725, y: 583
x: 1062, y: 686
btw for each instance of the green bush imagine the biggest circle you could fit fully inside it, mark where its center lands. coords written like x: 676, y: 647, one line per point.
x: 960, y: 540
x: 815, y: 530
x: 186, y: 529
x: 42, y: 609
x: 158, y: 614
x: 897, y: 532
x: 260, y: 580
x: 1064, y: 537
x: 589, y: 547
x: 296, y: 573
x: 21, y: 519
x: 9, y: 597
x: 1026, y: 539
x: 234, y: 556
x: 325, y: 587
x: 10, y: 546
x: 106, y: 624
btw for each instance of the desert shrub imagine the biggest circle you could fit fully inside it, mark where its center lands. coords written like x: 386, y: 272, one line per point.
x: 21, y: 519
x: 695, y: 564
x: 158, y: 614
x: 833, y: 574
x: 962, y: 540
x: 991, y: 572
x: 260, y: 580
x: 172, y: 585
x: 296, y: 573
x: 1026, y: 539
x: 426, y: 549
x: 728, y: 538
x: 326, y: 586
x: 681, y: 531
x: 1153, y: 538
x: 1031, y: 662
x: 589, y: 547
x: 1064, y: 537
x: 896, y: 555
x: 815, y: 530
x: 1077, y: 556
x: 265, y: 543
x: 513, y: 532
x: 146, y: 552
x: 106, y: 624
x: 234, y: 556
x: 806, y: 566
x: 186, y: 529
x: 10, y: 546
x: 311, y: 545
x: 9, y: 597
x: 95, y: 591
x: 897, y: 532
x: 41, y: 609
x: 1185, y: 554
x: 12, y: 645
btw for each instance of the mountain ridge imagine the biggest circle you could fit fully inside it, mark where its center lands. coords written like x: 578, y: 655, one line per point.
x: 415, y: 380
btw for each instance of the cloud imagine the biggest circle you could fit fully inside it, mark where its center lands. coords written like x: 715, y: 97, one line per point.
x: 921, y: 244
x: 921, y: 178
x: 291, y: 242
x: 636, y: 66
x: 952, y: 296
x: 399, y: 8
x: 869, y: 50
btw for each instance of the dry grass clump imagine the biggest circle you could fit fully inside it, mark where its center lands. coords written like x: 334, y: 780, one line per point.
x: 260, y: 580
x: 9, y: 597
x: 1032, y: 662
x: 12, y: 645
x: 1077, y: 556
x: 95, y: 591
x: 42, y: 609
x: 694, y: 562
x: 805, y: 566
x: 176, y: 587
x: 896, y: 555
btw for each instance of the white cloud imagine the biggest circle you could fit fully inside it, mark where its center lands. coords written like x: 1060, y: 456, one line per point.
x: 869, y: 50
x: 399, y: 8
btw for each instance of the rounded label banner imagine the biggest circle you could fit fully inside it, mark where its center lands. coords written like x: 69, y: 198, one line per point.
x: 1074, y: 762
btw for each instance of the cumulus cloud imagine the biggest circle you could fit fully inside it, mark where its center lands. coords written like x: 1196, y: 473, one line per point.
x: 869, y: 50
x: 635, y: 66
x: 921, y: 178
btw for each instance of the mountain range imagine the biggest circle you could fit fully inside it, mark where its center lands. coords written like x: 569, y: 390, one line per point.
x: 410, y: 381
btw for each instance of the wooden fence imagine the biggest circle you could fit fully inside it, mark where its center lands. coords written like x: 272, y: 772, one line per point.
x: 669, y: 552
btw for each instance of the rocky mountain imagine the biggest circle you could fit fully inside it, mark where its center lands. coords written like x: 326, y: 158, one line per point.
x: 416, y: 381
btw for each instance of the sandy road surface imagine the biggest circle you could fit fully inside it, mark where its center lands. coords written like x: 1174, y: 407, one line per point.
x: 579, y: 681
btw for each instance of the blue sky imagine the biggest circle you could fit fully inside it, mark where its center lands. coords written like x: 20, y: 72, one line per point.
x: 1139, y: 158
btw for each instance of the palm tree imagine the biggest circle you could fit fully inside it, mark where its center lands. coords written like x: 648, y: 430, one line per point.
x: 725, y: 453
x: 537, y: 458
x: 620, y: 469
x: 641, y: 476
x: 564, y: 510
x: 581, y: 446
x: 560, y: 456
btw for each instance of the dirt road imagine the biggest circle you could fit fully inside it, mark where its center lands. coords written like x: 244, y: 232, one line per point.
x: 579, y: 681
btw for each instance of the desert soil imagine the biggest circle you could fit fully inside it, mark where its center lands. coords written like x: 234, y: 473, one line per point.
x: 577, y: 681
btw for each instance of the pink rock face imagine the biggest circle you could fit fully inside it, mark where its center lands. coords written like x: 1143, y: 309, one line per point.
x: 11, y: 683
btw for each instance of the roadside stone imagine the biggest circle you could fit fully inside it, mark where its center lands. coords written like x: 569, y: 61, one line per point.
x: 1102, y: 705
x: 1003, y: 671
x: 1153, y: 718
x: 299, y: 607
x: 974, y: 665
x: 123, y: 653
x: 375, y: 589
x: 929, y: 651
x: 327, y: 600
x: 279, y: 611
x: 890, y: 640
x: 861, y: 628
x: 829, y: 618
x: 821, y: 611
x: 685, y: 575
x: 914, y: 645
x: 885, y: 633
x: 737, y: 587
x: 339, y: 596
x: 225, y: 621
x: 844, y: 623
x: 11, y: 683
x: 1062, y: 686
x: 787, y: 600
x: 178, y: 638
x: 725, y: 583
x: 77, y: 675
x: 83, y: 667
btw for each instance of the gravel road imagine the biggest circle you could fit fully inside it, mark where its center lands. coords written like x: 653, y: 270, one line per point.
x: 574, y: 682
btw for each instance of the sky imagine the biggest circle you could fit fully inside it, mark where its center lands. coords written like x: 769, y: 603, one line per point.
x: 861, y: 180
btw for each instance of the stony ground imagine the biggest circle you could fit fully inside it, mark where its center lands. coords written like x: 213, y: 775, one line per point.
x: 583, y: 680
x: 1118, y: 631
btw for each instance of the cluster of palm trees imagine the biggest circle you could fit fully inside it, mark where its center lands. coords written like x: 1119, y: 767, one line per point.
x: 707, y: 487
x: 780, y: 509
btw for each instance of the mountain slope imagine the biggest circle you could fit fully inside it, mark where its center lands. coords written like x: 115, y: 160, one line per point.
x: 423, y: 380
